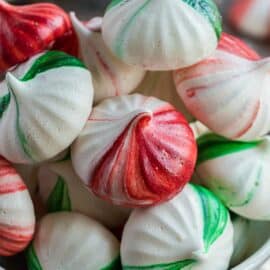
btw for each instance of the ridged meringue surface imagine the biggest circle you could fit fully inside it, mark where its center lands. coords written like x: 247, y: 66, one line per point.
x: 162, y: 35
x: 160, y: 84
x: 228, y: 92
x: 249, y: 236
x: 28, y: 30
x: 192, y: 231
x: 17, y: 218
x: 44, y: 104
x: 237, y: 172
x: 69, y: 241
x: 61, y: 190
x: 251, y: 17
x: 135, y: 151
x: 111, y: 76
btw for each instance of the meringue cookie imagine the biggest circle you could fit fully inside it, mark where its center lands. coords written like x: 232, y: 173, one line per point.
x: 192, y: 231
x: 228, y: 92
x: 251, y: 17
x: 29, y: 29
x: 162, y: 35
x: 160, y: 84
x: 61, y: 189
x: 258, y: 261
x: 135, y: 151
x: 237, y: 172
x: 44, y: 104
x: 111, y: 77
x: 198, y: 129
x: 249, y: 236
x: 68, y: 241
x: 17, y: 218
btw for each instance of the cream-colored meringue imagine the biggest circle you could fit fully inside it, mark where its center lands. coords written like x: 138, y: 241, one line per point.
x: 69, y: 241
x: 160, y: 84
x: 249, y: 236
x: 258, y: 261
x: 61, y: 190
x: 111, y: 76
x: 228, y: 92
x: 44, y: 104
x: 192, y: 231
x: 161, y: 35
x: 237, y: 172
x: 17, y: 217
x: 198, y: 129
x: 251, y: 17
x: 135, y: 151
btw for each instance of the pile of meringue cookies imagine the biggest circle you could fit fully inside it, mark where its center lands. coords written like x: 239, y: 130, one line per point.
x: 136, y: 141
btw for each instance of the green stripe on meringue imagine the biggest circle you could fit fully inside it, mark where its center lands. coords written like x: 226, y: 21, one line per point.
x: 32, y: 259
x: 113, y: 3
x: 212, y: 146
x: 59, y: 199
x: 4, y: 102
x: 114, y: 265
x: 51, y: 60
x: 209, y: 10
x: 185, y: 264
x: 215, y: 216
x: 121, y: 35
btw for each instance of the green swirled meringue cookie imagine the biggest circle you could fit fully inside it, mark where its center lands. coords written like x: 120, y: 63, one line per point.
x: 44, y: 104
x: 249, y: 237
x: 69, y: 241
x: 62, y: 190
x: 162, y: 35
x: 193, y: 231
x: 237, y: 172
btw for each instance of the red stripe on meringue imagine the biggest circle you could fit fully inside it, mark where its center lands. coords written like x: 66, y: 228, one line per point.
x: 238, y: 11
x: 233, y: 45
x: 14, y: 239
x: 28, y: 30
x: 151, y: 160
x: 250, y: 123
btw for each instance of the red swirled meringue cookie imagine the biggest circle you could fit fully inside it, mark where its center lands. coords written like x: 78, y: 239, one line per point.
x: 17, y: 218
x: 111, y: 76
x: 135, y: 151
x: 29, y: 29
x: 251, y: 17
x: 229, y: 91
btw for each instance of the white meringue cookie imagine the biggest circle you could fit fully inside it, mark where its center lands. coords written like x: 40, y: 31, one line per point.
x: 251, y: 17
x: 17, y: 217
x: 111, y: 77
x: 237, y: 172
x: 61, y: 189
x: 249, y: 236
x: 44, y: 104
x: 258, y: 261
x: 192, y: 231
x: 69, y: 241
x: 135, y: 151
x: 228, y: 92
x: 160, y: 84
x: 162, y: 35
x: 198, y: 129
